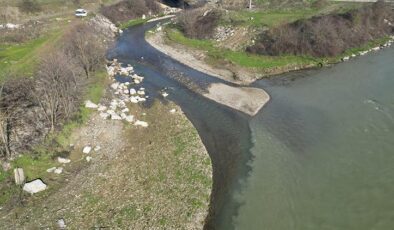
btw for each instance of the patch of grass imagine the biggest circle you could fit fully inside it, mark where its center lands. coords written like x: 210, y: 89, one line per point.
x: 132, y: 22
x: 239, y: 58
x: 34, y: 166
x: 22, y: 58
x: 94, y: 93
x: 269, y: 18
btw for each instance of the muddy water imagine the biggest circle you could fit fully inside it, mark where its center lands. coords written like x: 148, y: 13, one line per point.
x: 320, y: 155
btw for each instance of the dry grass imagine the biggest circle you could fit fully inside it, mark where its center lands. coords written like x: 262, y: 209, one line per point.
x: 153, y: 178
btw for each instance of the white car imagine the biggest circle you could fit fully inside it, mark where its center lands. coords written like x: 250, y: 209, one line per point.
x: 81, y: 13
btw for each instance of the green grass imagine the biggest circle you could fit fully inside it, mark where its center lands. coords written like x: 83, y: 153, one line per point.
x: 21, y: 59
x: 268, y: 18
x: 132, y: 22
x: 239, y: 58
x: 34, y: 166
x: 94, y: 93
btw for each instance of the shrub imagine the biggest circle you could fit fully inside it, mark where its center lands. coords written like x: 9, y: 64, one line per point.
x: 327, y: 35
x: 130, y: 9
x: 29, y: 6
x: 198, y: 23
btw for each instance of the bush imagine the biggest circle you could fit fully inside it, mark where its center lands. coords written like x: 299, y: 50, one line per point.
x: 327, y: 36
x: 198, y: 23
x: 29, y: 6
x: 130, y: 9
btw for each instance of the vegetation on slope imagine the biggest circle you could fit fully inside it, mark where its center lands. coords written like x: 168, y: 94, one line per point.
x: 327, y: 35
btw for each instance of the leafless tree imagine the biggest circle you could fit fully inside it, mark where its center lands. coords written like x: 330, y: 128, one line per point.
x: 15, y: 99
x: 56, y: 88
x: 86, y: 47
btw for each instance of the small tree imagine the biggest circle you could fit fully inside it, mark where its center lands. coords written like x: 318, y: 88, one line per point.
x: 15, y: 99
x: 56, y: 88
x: 88, y: 49
x: 29, y: 6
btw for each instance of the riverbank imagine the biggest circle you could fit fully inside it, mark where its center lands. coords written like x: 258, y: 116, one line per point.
x: 141, y: 177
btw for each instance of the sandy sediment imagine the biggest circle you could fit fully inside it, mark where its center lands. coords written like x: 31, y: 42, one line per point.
x: 188, y: 58
x: 245, y: 99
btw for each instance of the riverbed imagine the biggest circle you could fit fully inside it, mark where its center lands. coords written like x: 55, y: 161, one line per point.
x: 318, y: 156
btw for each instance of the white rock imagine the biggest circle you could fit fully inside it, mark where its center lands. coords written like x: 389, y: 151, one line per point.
x: 19, y: 176
x: 125, y: 110
x: 165, y: 94
x: 129, y: 118
x: 115, y: 117
x: 61, y: 224
x: 376, y: 48
x: 51, y: 170
x: 172, y: 110
x: 58, y: 170
x: 133, y: 91
x: 123, y: 116
x: 90, y: 105
x: 63, y: 160
x: 104, y: 115
x: 102, y: 108
x: 115, y: 85
x: 134, y: 100
x: 97, y: 148
x: 141, y: 92
x: 140, y: 99
x: 88, y: 158
x: 141, y: 123
x: 136, y: 81
x: 34, y: 186
x: 87, y: 149
x: 126, y: 91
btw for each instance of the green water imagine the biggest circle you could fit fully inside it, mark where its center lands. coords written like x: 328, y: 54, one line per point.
x: 323, y: 151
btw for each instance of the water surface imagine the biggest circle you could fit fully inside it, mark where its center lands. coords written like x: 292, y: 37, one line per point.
x: 324, y: 150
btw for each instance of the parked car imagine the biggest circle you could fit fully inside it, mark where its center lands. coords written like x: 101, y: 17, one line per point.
x: 81, y: 13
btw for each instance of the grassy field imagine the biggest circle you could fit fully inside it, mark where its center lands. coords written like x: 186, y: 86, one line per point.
x: 239, y: 58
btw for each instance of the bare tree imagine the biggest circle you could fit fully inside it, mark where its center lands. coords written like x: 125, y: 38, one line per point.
x: 15, y: 99
x: 86, y: 47
x: 56, y: 88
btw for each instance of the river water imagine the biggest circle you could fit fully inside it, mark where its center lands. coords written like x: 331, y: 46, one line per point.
x: 320, y: 155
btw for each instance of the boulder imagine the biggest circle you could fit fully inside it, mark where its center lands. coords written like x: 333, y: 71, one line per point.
x: 133, y: 91
x: 88, y: 158
x: 134, y: 100
x: 34, y: 186
x: 115, y: 117
x: 61, y: 224
x: 115, y: 85
x: 129, y: 118
x: 87, y: 149
x: 58, y: 170
x: 102, y: 108
x: 90, y: 105
x: 63, y: 160
x: 141, y: 123
x: 19, y: 176
x: 51, y: 170
x: 104, y: 115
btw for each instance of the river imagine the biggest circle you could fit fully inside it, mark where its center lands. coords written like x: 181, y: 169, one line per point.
x: 320, y: 155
